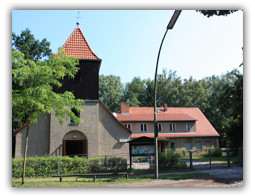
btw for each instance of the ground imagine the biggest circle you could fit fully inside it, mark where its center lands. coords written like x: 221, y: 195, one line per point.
x: 222, y: 177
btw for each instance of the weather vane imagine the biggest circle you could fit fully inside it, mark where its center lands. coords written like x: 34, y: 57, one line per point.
x: 78, y: 17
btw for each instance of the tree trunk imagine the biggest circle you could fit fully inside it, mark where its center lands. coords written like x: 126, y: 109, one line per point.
x: 25, y: 155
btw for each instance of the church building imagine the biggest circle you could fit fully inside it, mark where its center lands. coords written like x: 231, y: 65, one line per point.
x: 100, y: 133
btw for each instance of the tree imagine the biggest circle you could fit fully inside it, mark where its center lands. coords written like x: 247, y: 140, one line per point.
x: 135, y: 92
x: 210, y: 13
x: 169, y: 86
x: 110, y: 91
x: 35, y: 97
x: 231, y: 106
x: 32, y: 49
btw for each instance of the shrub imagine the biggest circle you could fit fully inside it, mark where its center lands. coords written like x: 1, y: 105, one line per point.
x: 48, y: 165
x: 117, y: 164
x: 184, y: 151
x: 215, y: 152
x: 170, y: 160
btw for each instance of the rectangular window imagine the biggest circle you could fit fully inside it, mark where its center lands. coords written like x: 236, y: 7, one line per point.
x: 172, y: 127
x: 187, y: 127
x: 208, y: 144
x: 159, y: 127
x: 143, y: 127
x: 127, y: 125
x: 172, y: 145
x: 198, y: 145
x: 188, y: 146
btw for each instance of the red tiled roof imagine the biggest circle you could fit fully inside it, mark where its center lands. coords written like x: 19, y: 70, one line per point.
x: 77, y: 45
x: 203, y: 126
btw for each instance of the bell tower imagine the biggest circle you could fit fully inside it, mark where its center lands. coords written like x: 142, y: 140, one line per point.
x: 85, y: 85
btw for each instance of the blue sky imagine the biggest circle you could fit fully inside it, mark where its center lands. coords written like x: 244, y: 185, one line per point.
x: 127, y: 41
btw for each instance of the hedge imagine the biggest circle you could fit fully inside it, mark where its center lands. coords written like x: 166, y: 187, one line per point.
x: 48, y: 165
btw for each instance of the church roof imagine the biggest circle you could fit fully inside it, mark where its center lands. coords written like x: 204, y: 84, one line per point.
x: 77, y: 45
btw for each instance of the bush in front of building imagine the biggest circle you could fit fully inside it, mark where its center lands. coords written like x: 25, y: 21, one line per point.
x: 117, y: 164
x: 171, y: 160
x: 48, y: 165
x: 215, y: 152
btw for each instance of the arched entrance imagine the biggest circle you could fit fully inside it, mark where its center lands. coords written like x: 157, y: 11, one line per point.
x: 75, y: 144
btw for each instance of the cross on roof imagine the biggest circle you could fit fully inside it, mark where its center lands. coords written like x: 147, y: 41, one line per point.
x: 78, y: 17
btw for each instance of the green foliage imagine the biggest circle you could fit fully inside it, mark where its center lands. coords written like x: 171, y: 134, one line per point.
x: 170, y: 160
x: 32, y: 49
x: 110, y: 91
x: 35, y: 80
x: 134, y: 92
x: 48, y: 165
x: 215, y: 152
x: 184, y: 151
x: 117, y: 164
x: 210, y: 13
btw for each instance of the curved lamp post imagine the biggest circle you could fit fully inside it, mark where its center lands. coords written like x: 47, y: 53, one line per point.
x: 169, y: 26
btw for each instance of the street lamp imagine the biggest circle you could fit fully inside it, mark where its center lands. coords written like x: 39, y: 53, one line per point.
x: 169, y: 26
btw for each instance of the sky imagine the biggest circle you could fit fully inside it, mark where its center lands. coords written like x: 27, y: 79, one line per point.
x: 128, y: 41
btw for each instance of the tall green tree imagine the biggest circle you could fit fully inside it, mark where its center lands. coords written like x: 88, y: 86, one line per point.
x: 110, y: 91
x: 135, y: 92
x: 32, y: 49
x: 231, y: 106
x: 169, y: 87
x: 35, y: 96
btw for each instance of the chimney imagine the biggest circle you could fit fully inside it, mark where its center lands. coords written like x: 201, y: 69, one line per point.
x: 124, y: 108
x: 165, y: 107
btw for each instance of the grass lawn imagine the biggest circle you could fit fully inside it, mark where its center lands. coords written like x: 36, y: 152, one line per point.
x: 88, y: 182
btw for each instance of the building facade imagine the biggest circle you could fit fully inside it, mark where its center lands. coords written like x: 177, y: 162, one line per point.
x: 178, y: 127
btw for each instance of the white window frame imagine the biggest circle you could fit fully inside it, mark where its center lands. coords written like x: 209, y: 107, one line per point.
x: 187, y: 127
x: 128, y: 125
x: 159, y: 127
x: 143, y: 128
x: 172, y: 127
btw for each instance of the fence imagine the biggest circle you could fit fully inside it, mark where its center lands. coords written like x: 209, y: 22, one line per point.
x: 50, y: 165
x: 212, y: 158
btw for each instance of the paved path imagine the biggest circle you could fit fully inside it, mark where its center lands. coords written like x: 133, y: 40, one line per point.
x: 220, y: 177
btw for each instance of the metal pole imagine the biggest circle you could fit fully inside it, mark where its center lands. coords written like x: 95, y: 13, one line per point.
x: 210, y: 160
x: 228, y: 158
x: 170, y: 26
x: 155, y: 113
x: 190, y: 160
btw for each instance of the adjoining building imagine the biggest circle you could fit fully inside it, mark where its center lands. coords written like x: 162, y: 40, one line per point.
x: 179, y: 127
x: 100, y: 133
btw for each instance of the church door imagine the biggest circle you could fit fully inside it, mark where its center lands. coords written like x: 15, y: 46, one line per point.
x: 74, y: 144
